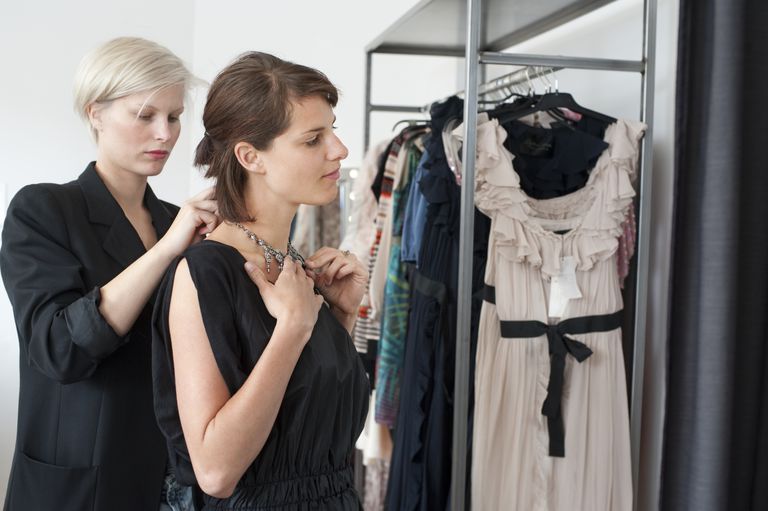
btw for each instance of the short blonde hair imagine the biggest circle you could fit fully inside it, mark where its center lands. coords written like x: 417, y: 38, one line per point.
x: 124, y: 66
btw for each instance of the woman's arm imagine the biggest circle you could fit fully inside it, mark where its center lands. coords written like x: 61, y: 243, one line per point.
x: 124, y: 297
x: 63, y: 331
x: 224, y: 433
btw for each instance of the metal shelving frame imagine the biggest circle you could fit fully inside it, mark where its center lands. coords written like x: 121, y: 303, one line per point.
x: 477, y: 53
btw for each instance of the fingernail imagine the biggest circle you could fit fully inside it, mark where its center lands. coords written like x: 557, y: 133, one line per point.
x: 249, y: 266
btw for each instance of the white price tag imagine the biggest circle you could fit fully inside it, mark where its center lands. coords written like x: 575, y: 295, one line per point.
x: 563, y: 287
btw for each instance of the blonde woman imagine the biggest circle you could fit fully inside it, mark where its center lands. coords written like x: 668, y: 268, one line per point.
x: 80, y: 262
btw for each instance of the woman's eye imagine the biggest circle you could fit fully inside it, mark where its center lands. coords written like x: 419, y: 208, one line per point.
x: 313, y: 141
x: 173, y: 119
x: 145, y: 117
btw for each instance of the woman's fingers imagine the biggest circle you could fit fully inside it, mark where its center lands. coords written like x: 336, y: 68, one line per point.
x: 208, y: 223
x: 206, y: 205
x: 326, y: 254
x: 331, y: 271
x: 205, y: 194
x: 258, y: 277
x: 328, y: 261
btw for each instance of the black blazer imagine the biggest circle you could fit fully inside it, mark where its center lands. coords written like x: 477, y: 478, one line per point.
x: 87, y: 436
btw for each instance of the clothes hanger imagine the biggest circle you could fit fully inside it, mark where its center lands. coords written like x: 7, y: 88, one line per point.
x: 551, y: 102
x: 506, y: 93
x: 524, y: 99
x: 411, y: 122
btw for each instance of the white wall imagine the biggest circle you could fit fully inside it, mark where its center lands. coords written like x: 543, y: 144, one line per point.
x: 42, y: 140
x: 331, y: 37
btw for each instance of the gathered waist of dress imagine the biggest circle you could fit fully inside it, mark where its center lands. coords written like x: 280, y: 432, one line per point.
x: 296, y: 490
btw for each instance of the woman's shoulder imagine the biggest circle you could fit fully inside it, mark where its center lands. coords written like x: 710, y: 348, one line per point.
x: 216, y: 270
x: 44, y: 195
x: 209, y: 248
x: 44, y: 207
x: 209, y: 257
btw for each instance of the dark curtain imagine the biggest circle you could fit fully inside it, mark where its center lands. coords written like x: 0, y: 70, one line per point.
x: 716, y: 432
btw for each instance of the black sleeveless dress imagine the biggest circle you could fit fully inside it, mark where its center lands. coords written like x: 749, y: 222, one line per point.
x: 306, y: 462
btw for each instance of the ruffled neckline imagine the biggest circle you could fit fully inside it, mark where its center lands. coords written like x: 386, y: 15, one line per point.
x: 524, y: 227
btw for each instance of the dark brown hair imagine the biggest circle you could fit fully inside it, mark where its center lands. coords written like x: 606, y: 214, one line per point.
x: 250, y: 101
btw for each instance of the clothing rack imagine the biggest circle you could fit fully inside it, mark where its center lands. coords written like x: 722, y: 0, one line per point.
x: 489, y: 29
x: 503, y: 83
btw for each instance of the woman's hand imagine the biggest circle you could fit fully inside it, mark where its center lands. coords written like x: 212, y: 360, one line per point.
x: 291, y: 299
x: 340, y: 277
x: 195, y: 219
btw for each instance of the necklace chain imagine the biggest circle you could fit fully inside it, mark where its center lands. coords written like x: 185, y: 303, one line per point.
x: 271, y: 252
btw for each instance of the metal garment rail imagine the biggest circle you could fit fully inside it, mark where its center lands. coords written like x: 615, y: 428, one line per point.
x: 466, y: 246
x: 473, y: 59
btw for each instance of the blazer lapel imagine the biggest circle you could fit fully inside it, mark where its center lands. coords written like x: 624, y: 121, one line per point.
x: 121, y: 242
x: 162, y: 216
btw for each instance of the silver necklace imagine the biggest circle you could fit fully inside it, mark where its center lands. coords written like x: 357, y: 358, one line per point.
x: 271, y: 252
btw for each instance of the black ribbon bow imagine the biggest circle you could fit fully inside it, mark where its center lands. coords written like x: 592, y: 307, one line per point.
x: 560, y: 345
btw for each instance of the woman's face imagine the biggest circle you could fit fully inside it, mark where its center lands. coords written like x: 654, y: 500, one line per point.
x: 138, y: 132
x: 302, y: 166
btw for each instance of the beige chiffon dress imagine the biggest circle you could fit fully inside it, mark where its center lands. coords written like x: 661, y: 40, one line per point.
x: 512, y: 468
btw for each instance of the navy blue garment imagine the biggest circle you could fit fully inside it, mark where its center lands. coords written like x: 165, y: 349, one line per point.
x: 420, y: 470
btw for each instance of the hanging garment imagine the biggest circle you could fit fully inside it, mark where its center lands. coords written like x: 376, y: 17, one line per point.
x: 397, y: 166
x: 368, y: 327
x: 571, y: 368
x: 363, y: 204
x: 394, y: 325
x: 420, y: 473
x: 415, y: 215
x: 375, y: 443
x: 552, y: 161
x: 555, y: 162
x: 573, y: 160
x: 358, y: 240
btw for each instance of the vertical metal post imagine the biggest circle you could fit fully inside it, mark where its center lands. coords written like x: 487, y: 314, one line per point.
x: 359, y: 468
x: 368, y: 86
x: 466, y: 237
x: 643, y: 239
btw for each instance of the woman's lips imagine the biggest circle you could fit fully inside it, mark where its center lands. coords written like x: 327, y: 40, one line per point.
x: 157, y: 155
x: 333, y: 175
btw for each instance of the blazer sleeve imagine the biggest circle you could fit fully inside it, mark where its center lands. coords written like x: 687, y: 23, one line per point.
x: 61, y: 331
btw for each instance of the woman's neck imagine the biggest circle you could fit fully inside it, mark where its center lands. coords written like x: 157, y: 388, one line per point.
x: 126, y: 187
x: 272, y: 224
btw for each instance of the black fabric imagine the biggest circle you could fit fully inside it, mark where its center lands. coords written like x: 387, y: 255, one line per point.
x: 420, y: 470
x: 87, y: 437
x: 379, y: 179
x: 560, y: 345
x: 715, y: 452
x: 555, y: 161
x: 306, y: 460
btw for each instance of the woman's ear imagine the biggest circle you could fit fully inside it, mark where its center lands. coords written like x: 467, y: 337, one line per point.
x: 94, y: 115
x: 249, y: 157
